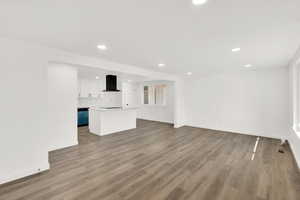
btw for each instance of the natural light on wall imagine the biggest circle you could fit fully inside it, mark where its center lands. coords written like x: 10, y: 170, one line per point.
x: 154, y: 95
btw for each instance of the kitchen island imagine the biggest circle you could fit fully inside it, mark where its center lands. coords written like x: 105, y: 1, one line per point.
x: 104, y: 121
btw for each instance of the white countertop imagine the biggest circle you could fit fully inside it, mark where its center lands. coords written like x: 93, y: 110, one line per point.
x: 112, y: 109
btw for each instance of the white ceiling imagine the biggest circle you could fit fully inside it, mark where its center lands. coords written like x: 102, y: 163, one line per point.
x: 146, y: 32
x: 91, y: 74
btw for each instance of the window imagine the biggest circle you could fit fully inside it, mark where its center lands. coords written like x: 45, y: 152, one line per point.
x: 146, y: 94
x: 155, y: 95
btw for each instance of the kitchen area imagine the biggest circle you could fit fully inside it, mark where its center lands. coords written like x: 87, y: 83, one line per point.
x: 110, y: 102
x: 107, y: 102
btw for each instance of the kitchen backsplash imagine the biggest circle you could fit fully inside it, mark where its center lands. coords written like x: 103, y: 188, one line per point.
x: 86, y: 102
x: 104, y: 99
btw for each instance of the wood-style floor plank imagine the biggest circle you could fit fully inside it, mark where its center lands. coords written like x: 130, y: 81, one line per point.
x: 158, y: 162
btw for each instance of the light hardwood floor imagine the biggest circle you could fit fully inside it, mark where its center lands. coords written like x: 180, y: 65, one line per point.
x: 157, y: 162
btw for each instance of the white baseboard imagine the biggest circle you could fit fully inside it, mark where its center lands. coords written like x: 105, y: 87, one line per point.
x: 27, y: 171
x: 235, y: 131
x: 155, y: 120
x: 62, y: 146
x: 33, y: 169
x: 296, y: 156
x: 178, y: 125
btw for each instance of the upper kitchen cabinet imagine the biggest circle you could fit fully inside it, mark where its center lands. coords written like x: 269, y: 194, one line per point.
x: 90, y: 88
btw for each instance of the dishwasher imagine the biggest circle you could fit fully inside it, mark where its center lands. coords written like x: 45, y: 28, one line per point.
x: 83, y: 117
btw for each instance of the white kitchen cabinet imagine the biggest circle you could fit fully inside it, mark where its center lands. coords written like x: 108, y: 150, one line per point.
x: 104, y: 121
x: 89, y: 88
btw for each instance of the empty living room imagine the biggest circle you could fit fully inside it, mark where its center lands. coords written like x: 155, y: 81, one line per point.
x: 150, y: 100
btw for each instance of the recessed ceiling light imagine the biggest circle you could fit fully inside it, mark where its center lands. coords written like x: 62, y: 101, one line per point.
x: 236, y: 49
x: 102, y: 47
x: 189, y: 73
x: 199, y: 2
x: 248, y: 65
x: 161, y: 65
x: 97, y: 77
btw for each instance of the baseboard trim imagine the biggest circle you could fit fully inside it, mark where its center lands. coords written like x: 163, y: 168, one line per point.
x: 25, y: 173
x: 179, y: 125
x: 233, y: 131
x: 296, y: 157
x: 57, y: 147
x: 167, y: 122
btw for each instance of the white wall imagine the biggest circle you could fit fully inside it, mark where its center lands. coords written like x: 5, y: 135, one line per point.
x: 294, y: 123
x: 253, y: 102
x: 162, y: 113
x: 62, y: 106
x: 130, y: 94
x: 23, y: 130
x: 179, y: 104
x: 24, y: 141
